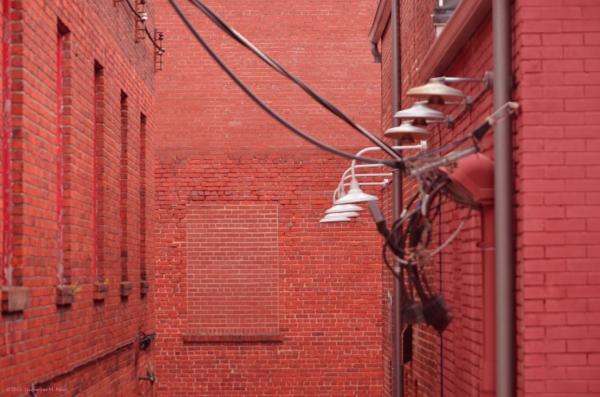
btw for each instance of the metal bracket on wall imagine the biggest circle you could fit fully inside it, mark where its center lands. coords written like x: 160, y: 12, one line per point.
x: 158, y: 52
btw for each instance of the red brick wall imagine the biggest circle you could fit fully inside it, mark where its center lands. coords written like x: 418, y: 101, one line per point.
x: 451, y: 363
x: 218, y: 150
x: 88, y: 348
x: 233, y: 271
x: 328, y: 339
x: 558, y: 163
x: 556, y: 78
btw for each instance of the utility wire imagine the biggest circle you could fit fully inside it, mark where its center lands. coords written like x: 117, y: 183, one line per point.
x: 266, y: 108
x: 280, y: 69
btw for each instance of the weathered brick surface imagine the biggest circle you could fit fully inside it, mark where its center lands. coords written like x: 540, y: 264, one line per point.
x: 218, y: 150
x: 329, y: 319
x: 87, y: 348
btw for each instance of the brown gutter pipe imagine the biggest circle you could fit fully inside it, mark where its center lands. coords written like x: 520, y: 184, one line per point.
x: 397, y: 356
x: 488, y: 383
x: 504, y: 227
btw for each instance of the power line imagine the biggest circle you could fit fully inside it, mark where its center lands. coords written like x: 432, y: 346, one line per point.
x: 266, y: 108
x: 280, y: 69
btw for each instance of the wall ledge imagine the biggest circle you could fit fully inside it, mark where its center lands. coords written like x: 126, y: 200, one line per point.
x: 205, y: 338
x: 460, y: 27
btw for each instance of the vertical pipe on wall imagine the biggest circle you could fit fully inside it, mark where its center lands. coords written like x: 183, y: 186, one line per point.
x: 397, y: 369
x: 488, y: 381
x: 505, y: 245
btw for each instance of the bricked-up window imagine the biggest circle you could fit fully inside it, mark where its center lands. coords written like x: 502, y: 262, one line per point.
x: 232, y: 269
x: 143, y: 126
x: 98, y: 173
x: 124, y: 178
x: 63, y: 130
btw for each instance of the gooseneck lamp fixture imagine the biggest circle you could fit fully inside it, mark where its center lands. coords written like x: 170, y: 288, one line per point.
x: 407, y: 132
x: 341, y: 212
x: 355, y: 195
x: 344, y: 208
x: 421, y: 114
x: 334, y: 218
x: 436, y: 92
x: 345, y: 202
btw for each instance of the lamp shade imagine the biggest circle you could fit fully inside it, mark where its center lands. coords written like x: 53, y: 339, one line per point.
x: 436, y: 92
x: 349, y: 214
x: 419, y: 113
x: 343, y: 208
x: 355, y: 195
x: 407, y: 132
x: 332, y: 218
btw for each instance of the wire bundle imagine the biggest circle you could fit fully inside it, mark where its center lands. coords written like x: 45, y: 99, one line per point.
x: 396, y: 162
x: 409, y: 240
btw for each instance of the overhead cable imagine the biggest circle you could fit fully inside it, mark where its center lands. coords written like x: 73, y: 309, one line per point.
x: 266, y: 108
x: 280, y: 69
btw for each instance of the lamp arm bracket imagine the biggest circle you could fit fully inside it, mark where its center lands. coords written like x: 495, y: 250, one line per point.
x: 487, y: 79
x: 506, y: 110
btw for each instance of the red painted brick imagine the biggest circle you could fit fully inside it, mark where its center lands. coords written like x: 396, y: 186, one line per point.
x: 583, y: 345
x: 88, y: 348
x: 563, y: 39
x: 255, y: 305
x: 567, y: 386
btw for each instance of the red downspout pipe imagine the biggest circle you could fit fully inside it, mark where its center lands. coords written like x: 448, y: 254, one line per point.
x: 397, y: 198
x: 488, y: 388
x: 6, y: 275
x: 504, y: 191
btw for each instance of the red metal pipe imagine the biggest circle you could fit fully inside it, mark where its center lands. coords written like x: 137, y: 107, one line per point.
x: 488, y: 388
x: 6, y: 274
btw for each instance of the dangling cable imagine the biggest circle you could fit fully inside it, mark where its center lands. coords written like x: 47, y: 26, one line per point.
x: 392, y: 163
x: 281, y: 70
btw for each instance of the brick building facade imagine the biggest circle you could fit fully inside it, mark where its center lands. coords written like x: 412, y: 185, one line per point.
x: 77, y: 115
x: 556, y: 80
x: 136, y: 202
x: 253, y: 295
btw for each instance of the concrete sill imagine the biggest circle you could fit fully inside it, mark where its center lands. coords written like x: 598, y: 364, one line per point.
x: 65, y: 295
x: 144, y: 287
x: 14, y: 299
x: 460, y: 27
x: 126, y: 288
x: 204, y: 338
x: 100, y: 292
